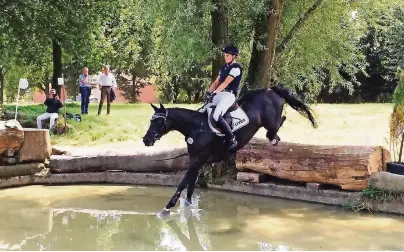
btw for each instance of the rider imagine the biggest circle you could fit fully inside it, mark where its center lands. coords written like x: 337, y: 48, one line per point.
x: 223, y: 91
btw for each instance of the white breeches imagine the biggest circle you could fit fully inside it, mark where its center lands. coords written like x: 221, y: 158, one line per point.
x: 45, y: 116
x: 223, y: 102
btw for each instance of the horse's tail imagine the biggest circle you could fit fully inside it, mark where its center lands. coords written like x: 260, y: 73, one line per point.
x: 295, y: 103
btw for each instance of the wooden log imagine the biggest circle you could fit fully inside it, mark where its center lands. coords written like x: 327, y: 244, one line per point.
x: 11, y: 137
x: 139, y: 161
x: 386, y: 181
x: 252, y: 177
x: 36, y: 145
x: 346, y: 166
x: 20, y: 169
x: 8, y: 160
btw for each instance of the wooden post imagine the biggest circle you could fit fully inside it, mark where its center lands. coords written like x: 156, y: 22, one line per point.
x: 64, y: 105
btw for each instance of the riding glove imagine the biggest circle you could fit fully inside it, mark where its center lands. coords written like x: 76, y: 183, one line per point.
x: 211, y: 96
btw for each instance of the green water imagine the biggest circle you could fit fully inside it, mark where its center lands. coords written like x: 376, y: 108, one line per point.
x: 124, y: 218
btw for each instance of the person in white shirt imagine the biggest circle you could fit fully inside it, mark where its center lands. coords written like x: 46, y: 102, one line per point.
x: 107, y: 82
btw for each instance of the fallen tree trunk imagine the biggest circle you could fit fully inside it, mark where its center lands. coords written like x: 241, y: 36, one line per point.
x: 346, y: 166
x: 155, y: 161
x: 386, y: 181
x: 20, y: 169
x: 36, y: 145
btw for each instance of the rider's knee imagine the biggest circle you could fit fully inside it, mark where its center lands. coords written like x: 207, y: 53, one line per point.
x: 216, y: 116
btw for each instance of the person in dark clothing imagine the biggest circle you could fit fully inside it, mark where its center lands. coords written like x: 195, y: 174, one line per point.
x: 53, y: 104
x: 223, y: 91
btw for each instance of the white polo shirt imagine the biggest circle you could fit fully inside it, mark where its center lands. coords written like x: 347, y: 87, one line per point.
x: 107, y: 80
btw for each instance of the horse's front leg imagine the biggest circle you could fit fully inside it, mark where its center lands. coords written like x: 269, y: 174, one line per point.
x: 190, y: 176
x: 191, y: 187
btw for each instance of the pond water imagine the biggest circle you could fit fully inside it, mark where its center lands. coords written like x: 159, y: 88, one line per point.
x: 124, y: 218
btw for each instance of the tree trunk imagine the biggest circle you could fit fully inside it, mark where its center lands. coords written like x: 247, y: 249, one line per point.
x: 189, y: 94
x: 36, y: 145
x: 141, y: 161
x: 57, y: 64
x: 259, y: 32
x: 346, y: 166
x: 1, y: 85
x: 268, y: 55
x: 386, y: 181
x: 134, y: 88
x: 198, y: 93
x: 265, y: 34
x: 219, y: 34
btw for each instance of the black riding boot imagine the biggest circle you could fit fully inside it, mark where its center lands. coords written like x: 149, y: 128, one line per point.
x: 230, y: 138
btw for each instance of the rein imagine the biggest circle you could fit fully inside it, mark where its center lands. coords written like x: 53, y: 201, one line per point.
x: 165, y: 116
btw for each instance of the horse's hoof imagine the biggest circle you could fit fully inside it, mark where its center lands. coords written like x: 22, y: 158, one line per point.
x: 276, y: 140
x: 187, y: 202
x: 164, y: 213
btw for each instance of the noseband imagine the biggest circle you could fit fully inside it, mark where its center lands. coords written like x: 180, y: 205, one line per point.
x: 158, y: 135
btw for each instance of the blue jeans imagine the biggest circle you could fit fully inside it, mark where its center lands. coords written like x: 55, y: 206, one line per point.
x: 85, y: 99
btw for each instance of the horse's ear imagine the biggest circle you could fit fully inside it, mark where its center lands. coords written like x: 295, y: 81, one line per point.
x: 154, y: 107
x: 161, y: 106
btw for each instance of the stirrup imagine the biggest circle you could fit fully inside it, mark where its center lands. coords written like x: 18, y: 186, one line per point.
x: 231, y: 143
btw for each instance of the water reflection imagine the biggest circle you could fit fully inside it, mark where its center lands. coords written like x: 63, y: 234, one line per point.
x: 124, y: 218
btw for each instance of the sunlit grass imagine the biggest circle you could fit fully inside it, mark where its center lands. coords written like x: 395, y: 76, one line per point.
x: 341, y: 124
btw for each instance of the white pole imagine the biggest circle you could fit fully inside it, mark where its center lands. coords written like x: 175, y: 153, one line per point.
x: 16, y: 105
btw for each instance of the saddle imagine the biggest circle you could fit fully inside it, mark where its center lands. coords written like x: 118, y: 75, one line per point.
x: 234, y: 116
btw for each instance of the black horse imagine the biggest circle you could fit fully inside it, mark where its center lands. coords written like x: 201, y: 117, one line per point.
x: 257, y: 108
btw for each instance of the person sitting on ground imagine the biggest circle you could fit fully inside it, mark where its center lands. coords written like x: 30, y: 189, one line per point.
x: 53, y: 104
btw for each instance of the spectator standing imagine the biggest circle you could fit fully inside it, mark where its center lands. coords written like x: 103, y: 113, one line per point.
x: 85, y: 90
x: 107, y: 83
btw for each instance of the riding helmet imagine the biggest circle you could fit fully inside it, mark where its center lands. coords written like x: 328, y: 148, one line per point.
x: 231, y: 49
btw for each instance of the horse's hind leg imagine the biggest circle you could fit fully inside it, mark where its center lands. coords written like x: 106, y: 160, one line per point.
x: 272, y: 131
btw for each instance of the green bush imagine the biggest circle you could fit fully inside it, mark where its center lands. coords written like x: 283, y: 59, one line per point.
x: 397, y: 120
x: 398, y: 95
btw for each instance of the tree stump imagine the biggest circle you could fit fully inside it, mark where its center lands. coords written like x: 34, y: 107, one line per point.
x: 36, y: 145
x: 346, y: 166
x: 218, y: 173
x: 11, y: 137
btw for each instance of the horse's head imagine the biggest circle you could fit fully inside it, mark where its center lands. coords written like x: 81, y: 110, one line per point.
x: 158, y: 125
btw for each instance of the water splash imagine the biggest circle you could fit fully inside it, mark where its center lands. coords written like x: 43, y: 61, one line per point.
x: 265, y: 246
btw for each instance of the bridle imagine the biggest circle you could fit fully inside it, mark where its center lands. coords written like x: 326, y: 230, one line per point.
x: 163, y: 129
x: 160, y: 133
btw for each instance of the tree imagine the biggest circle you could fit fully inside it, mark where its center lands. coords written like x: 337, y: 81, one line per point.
x: 182, y: 41
x: 129, y: 35
x: 220, y: 36
x: 314, y: 39
x: 7, y: 51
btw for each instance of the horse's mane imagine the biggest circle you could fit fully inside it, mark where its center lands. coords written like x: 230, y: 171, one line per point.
x: 179, y: 109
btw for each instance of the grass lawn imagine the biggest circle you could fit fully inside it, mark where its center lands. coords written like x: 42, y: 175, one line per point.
x: 341, y: 124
